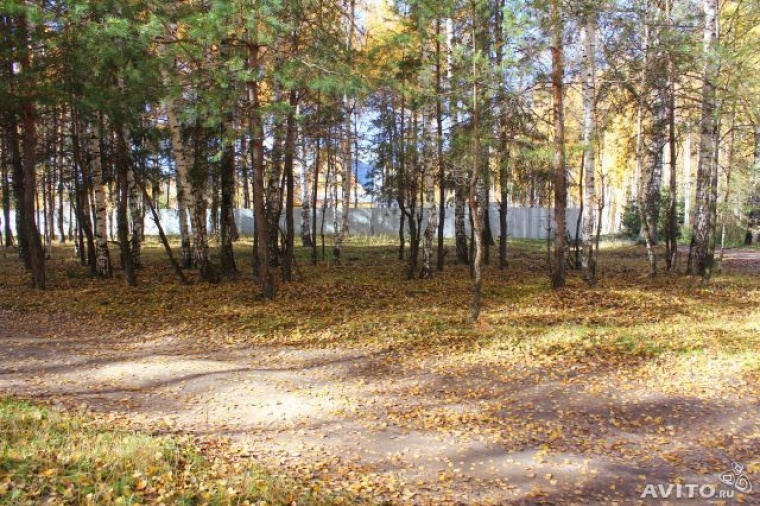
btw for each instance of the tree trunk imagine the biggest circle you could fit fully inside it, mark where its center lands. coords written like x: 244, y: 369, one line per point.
x: 315, y: 194
x: 560, y: 171
x: 688, y: 217
x: 35, y: 251
x: 475, y: 211
x: 261, y: 255
x: 14, y: 153
x: 155, y: 190
x: 184, y: 196
x: 215, y: 221
x: 274, y: 209
x: 7, y: 195
x: 356, y: 156
x: 647, y: 197
x: 227, y: 265
x: 135, y: 211
x: 102, y: 255
x: 401, y: 180
x: 290, y: 154
x: 414, y: 214
x: 713, y: 202
x: 503, y: 138
x: 700, y: 257
x: 347, y: 152
x: 727, y: 193
x: 244, y: 173
x: 326, y: 198
x: 161, y: 234
x: 439, y: 145
x: 122, y: 170
x: 485, y: 192
x: 81, y: 185
x: 460, y: 232
x: 429, y: 191
x: 306, y: 237
x: 588, y: 259
x: 198, y: 180
x: 672, y: 228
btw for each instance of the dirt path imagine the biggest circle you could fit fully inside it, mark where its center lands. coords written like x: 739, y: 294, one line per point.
x: 368, y: 422
x: 735, y: 261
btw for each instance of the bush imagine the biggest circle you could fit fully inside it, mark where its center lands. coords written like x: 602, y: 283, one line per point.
x: 631, y: 221
x: 662, y: 226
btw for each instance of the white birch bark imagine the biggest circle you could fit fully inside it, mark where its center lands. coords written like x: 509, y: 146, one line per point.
x: 587, y: 36
x: 306, y: 238
x: 700, y: 261
x: 687, y: 178
x: 185, y: 199
x: 135, y: 211
x: 430, y: 202
x: 102, y: 256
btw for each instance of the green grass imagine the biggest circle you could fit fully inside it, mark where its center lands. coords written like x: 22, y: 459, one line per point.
x: 47, y: 455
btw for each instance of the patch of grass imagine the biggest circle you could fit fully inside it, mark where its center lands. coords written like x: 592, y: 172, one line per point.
x: 47, y: 455
x: 369, y: 302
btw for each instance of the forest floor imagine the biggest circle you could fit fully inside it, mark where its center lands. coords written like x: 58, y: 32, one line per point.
x: 359, y: 382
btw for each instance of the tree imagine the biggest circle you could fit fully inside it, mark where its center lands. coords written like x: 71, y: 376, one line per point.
x: 587, y: 42
x: 701, y: 256
x: 103, y: 257
x: 474, y: 201
x: 261, y: 253
x: 560, y: 170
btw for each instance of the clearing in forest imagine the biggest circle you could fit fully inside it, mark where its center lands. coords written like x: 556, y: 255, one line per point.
x: 356, y: 382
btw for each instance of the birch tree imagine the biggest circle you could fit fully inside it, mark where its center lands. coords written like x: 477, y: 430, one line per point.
x: 588, y: 56
x: 103, y: 257
x: 700, y: 255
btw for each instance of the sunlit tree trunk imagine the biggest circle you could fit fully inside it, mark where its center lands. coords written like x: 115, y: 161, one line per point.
x: 588, y: 36
x: 646, y: 180
x: 102, y: 255
x: 429, y: 190
x: 306, y: 237
x: 414, y: 214
x: 700, y: 256
x: 724, y: 210
x: 135, y: 212
x: 672, y: 228
x: 476, y: 215
x: 261, y: 253
x: 184, y: 196
x: 314, y: 196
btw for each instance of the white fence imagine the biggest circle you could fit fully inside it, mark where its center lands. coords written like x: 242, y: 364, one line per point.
x: 522, y: 222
